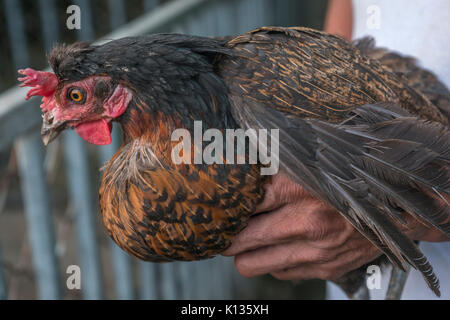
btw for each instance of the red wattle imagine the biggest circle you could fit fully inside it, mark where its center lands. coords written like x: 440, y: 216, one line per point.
x: 96, y: 132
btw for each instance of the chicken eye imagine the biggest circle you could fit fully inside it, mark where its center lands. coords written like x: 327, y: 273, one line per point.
x: 76, y: 95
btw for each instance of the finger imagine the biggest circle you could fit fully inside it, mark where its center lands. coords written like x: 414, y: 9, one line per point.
x: 286, y: 223
x: 268, y: 229
x: 280, y: 191
x: 275, y: 258
x: 330, y: 269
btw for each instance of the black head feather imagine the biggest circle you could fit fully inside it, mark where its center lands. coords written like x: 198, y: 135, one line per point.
x: 66, y: 60
x: 135, y: 59
x: 172, y: 73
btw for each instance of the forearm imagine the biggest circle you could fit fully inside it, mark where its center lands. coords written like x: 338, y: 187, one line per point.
x: 339, y: 18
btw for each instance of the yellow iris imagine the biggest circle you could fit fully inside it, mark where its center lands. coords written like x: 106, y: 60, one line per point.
x: 76, y: 95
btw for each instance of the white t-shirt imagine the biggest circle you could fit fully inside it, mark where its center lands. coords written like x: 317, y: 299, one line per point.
x: 419, y: 28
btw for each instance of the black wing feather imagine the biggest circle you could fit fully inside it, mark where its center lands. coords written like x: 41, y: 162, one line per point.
x: 370, y: 172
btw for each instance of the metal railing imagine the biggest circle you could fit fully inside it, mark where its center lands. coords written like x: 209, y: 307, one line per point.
x: 19, y: 126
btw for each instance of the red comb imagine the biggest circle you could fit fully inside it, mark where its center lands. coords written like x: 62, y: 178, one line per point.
x: 42, y: 83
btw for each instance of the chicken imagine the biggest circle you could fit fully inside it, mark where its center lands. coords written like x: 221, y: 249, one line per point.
x: 352, y: 132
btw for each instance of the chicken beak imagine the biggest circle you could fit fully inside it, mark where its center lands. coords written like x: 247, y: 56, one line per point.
x: 51, y: 128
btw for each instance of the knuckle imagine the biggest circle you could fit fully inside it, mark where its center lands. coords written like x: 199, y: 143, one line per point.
x: 337, y: 241
x: 257, y: 236
x: 321, y: 256
x: 316, y: 230
x: 291, y: 259
x: 317, y: 226
x: 333, y: 244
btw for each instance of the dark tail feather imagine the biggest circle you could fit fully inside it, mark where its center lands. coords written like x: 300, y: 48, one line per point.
x: 380, y: 164
x: 397, y: 247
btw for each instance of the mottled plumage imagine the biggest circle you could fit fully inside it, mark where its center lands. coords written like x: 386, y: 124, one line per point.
x: 186, y: 213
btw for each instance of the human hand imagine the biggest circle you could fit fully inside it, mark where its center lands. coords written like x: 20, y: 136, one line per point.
x: 299, y: 238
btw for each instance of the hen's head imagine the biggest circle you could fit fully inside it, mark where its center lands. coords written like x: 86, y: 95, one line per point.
x: 76, y: 99
x: 93, y: 85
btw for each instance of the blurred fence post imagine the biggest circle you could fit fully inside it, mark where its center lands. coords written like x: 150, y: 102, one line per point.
x: 168, y: 279
x: 185, y: 272
x: 86, y: 32
x: 117, y: 13
x: 148, y: 281
x: 37, y: 208
x: 226, y: 270
x: 226, y: 18
x: 3, y: 290
x: 123, y: 278
x: 150, y: 4
x: 16, y: 30
x: 80, y: 191
x: 35, y: 191
x: 49, y: 22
